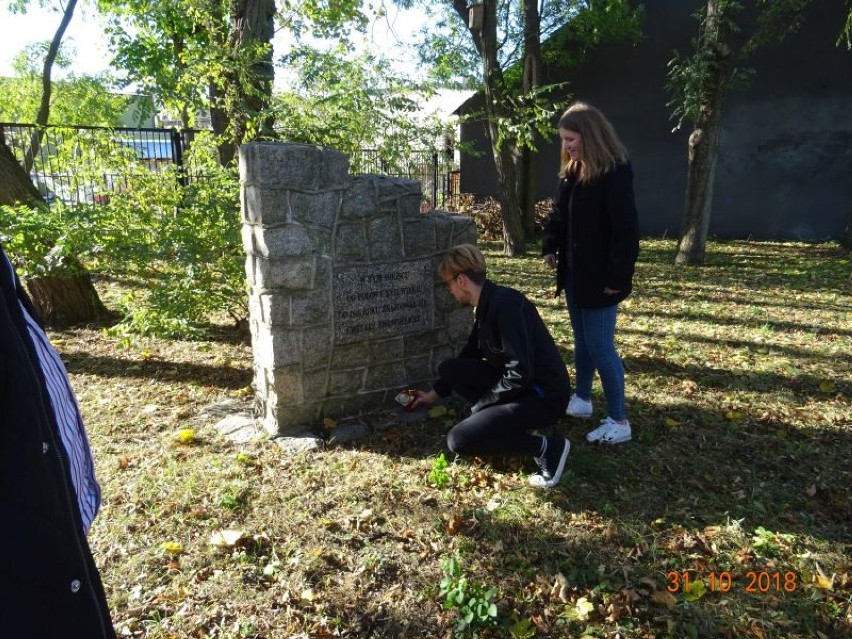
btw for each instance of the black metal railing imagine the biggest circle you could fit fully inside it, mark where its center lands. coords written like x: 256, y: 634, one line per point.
x: 436, y: 172
x: 84, y: 164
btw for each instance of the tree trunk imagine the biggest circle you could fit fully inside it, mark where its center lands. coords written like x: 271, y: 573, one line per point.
x: 504, y: 152
x: 61, y: 301
x: 510, y: 206
x: 527, y: 190
x: 527, y: 176
x: 58, y: 300
x: 15, y: 185
x: 226, y: 150
x: 43, y: 115
x: 506, y: 166
x: 252, y: 29
x: 703, y: 144
x: 704, y: 140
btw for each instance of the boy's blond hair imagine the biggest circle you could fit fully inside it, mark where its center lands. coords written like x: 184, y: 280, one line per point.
x: 464, y: 258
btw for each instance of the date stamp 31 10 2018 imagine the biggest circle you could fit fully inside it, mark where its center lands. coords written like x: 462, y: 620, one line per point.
x: 753, y: 581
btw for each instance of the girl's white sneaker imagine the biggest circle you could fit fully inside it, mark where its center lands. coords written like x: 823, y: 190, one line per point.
x: 579, y: 407
x: 610, y: 432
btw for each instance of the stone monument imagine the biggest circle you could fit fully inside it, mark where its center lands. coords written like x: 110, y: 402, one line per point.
x: 345, y: 304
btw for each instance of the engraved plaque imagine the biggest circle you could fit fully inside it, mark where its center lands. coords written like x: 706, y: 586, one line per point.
x: 382, y: 300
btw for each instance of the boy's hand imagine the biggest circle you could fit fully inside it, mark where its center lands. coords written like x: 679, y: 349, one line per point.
x: 429, y: 397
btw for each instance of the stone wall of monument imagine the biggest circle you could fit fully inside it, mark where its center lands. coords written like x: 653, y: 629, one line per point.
x: 345, y: 304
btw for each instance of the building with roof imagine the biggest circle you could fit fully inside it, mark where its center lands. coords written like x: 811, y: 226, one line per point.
x: 784, y: 168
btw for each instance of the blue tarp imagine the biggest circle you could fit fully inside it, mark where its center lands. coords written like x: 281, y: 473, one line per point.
x: 151, y: 149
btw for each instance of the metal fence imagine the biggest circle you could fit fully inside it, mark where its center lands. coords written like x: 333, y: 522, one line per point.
x: 436, y: 172
x: 82, y: 164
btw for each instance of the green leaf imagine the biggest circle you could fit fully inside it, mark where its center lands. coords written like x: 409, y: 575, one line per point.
x: 695, y: 590
x: 522, y: 629
x: 583, y: 608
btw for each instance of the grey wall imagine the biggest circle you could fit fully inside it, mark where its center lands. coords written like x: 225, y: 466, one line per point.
x: 785, y: 161
x: 345, y: 303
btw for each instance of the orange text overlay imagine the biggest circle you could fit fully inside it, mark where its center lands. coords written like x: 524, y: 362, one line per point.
x: 754, y: 581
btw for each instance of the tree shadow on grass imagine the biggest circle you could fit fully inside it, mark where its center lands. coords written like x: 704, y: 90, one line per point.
x: 712, y: 469
x: 758, y: 348
x: 732, y: 380
x: 228, y: 377
x: 674, y: 291
x: 751, y: 265
x: 614, y: 500
x: 699, y: 472
x: 710, y: 319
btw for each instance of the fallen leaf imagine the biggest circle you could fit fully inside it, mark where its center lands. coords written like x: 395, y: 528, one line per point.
x: 560, y: 588
x: 437, y: 411
x: 173, y: 547
x: 493, y: 504
x: 245, y: 459
x: 689, y: 387
x: 616, y: 611
x: 522, y: 629
x: 186, y: 436
x: 454, y: 524
x: 695, y: 590
x: 584, y: 608
x: 226, y: 538
x: 664, y: 598
x: 823, y: 582
x: 744, y: 556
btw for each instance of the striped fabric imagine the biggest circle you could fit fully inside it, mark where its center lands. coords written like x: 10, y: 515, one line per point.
x: 71, y: 430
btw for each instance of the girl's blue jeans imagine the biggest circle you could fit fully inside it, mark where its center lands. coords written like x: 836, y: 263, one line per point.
x: 594, y: 349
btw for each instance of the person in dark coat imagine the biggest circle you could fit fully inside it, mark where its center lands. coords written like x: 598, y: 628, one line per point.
x: 592, y: 240
x: 510, y: 371
x: 50, y: 586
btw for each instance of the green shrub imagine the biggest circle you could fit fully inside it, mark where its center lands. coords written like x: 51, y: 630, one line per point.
x: 182, y: 241
x: 42, y: 241
x: 473, y: 603
x: 439, y: 476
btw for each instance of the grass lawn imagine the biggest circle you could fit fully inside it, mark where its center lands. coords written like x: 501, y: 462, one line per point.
x: 728, y: 515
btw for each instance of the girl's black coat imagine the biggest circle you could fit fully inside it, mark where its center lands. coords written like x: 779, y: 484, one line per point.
x: 49, y: 584
x: 605, y: 236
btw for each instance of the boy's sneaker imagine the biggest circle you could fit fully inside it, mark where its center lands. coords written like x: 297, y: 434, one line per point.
x: 610, y: 432
x: 579, y: 407
x: 552, y: 463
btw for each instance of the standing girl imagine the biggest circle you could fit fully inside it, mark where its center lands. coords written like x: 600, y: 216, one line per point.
x: 592, y: 239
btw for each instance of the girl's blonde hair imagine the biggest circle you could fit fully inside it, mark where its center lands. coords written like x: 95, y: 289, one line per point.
x: 602, y: 150
x: 464, y: 258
